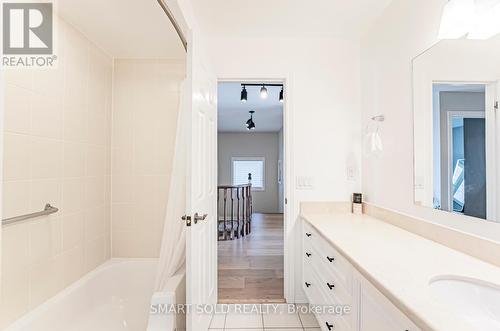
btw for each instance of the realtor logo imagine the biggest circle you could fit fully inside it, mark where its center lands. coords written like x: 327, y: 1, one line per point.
x: 28, y: 34
x: 27, y: 28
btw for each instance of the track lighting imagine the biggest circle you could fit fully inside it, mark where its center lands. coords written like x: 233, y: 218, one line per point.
x: 244, y: 94
x: 263, y: 92
x: 250, y: 122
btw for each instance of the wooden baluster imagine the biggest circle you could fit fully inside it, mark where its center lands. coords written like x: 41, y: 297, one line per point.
x: 250, y: 201
x: 218, y: 220
x: 247, y: 223
x: 224, y: 214
x: 242, y: 220
x: 232, y: 213
x: 237, y: 212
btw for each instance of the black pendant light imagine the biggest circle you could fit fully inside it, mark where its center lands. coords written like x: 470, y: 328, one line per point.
x: 244, y: 94
x: 281, y: 95
x: 250, y: 122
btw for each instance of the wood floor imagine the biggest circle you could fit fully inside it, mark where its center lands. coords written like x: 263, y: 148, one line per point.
x: 250, y: 269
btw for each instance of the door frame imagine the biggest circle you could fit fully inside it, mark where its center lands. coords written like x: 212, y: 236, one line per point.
x: 290, y: 209
x: 449, y: 132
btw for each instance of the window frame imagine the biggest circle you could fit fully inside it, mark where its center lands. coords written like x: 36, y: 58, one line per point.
x: 251, y: 158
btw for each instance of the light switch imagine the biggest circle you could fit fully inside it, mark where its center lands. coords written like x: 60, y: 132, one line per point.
x: 305, y: 183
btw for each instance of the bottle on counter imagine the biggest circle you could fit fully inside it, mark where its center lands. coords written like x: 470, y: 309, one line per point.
x: 357, y: 203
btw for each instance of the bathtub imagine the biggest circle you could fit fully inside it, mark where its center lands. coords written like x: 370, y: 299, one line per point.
x: 115, y: 296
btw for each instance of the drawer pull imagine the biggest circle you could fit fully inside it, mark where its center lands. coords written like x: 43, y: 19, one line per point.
x: 330, y: 286
x: 329, y: 326
x: 330, y: 259
x: 308, y: 254
x: 308, y: 234
x: 307, y: 284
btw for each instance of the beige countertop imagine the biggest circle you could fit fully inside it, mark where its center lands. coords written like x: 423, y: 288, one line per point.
x: 401, y: 264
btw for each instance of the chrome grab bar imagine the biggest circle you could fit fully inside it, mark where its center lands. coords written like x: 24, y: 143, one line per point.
x: 46, y: 211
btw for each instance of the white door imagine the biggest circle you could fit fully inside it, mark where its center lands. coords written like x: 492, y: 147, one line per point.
x: 201, y: 239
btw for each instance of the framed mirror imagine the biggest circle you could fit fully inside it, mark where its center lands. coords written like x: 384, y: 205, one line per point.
x: 456, y: 88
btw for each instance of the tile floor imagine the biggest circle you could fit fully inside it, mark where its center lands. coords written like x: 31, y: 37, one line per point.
x: 264, y: 318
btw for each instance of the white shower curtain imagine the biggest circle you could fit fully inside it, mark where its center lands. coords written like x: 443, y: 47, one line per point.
x: 173, y: 246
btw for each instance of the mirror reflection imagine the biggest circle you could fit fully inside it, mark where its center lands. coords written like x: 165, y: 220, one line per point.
x: 455, y: 91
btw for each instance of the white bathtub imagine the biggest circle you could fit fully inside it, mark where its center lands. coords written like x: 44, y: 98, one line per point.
x: 115, y: 296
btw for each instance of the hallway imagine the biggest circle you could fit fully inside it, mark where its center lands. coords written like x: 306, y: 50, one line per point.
x: 250, y: 269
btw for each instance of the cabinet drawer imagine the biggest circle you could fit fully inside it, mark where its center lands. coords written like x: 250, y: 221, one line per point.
x: 333, y: 290
x: 313, y: 286
x: 327, y: 258
x: 332, y: 323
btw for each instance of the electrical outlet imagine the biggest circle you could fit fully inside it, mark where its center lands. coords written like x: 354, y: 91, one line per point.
x: 351, y: 173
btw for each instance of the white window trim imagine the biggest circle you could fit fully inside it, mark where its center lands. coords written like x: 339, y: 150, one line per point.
x: 251, y: 158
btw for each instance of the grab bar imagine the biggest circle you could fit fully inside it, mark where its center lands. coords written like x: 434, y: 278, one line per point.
x: 46, y: 211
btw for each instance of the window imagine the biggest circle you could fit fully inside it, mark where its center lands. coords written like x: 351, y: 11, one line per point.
x: 242, y: 166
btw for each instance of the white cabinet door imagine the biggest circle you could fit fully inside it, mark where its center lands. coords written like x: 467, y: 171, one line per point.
x: 377, y: 313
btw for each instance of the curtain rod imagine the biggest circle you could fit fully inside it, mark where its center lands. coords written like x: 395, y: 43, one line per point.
x: 174, y: 23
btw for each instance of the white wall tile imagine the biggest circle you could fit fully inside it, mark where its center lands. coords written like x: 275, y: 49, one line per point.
x: 17, y: 109
x: 57, y: 150
x: 17, y: 157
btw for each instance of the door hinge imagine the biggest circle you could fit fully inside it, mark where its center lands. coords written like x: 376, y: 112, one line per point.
x: 496, y: 105
x: 187, y: 219
x: 286, y: 201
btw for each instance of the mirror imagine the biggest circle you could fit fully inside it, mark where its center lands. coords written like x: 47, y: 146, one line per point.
x: 456, y: 88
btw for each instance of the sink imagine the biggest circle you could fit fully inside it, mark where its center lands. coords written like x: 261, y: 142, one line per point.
x: 475, y: 301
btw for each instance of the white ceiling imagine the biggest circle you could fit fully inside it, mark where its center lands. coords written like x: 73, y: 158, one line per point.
x: 124, y: 28
x: 288, y: 17
x: 233, y: 114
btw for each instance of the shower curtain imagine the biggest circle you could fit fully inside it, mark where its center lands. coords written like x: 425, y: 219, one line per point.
x: 173, y: 246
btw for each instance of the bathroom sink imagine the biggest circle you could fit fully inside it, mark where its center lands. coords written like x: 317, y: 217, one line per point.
x: 475, y: 301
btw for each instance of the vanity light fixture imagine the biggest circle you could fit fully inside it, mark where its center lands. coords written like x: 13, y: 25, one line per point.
x: 263, y: 92
x: 244, y: 94
x: 476, y: 19
x: 250, y: 122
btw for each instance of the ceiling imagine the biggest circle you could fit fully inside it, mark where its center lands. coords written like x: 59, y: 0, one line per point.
x: 124, y: 28
x: 233, y: 114
x: 260, y: 18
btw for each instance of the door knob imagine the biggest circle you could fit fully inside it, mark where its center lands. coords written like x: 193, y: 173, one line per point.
x: 187, y: 219
x: 198, y: 217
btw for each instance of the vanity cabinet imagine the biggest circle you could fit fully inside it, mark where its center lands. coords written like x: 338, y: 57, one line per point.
x: 329, y: 280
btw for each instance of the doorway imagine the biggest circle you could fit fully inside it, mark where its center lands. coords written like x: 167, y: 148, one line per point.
x: 250, y: 192
x: 463, y: 149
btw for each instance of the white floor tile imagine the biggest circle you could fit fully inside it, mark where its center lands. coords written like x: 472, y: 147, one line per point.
x: 218, y: 321
x: 281, y: 316
x: 309, y: 320
x: 239, y: 320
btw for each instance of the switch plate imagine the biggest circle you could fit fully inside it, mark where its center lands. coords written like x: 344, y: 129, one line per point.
x: 305, y: 183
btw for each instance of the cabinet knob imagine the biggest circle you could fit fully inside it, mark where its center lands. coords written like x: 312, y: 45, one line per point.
x: 307, y: 284
x: 308, y: 234
x: 329, y: 326
x: 308, y: 254
x: 330, y: 259
x: 330, y: 286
